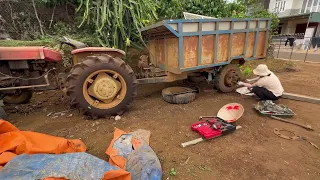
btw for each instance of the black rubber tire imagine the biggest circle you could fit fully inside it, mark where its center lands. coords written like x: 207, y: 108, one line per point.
x: 22, y: 98
x: 3, y: 114
x: 81, y: 71
x: 220, y: 78
x: 179, y: 98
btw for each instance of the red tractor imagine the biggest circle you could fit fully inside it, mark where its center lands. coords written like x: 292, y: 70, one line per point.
x: 99, y: 84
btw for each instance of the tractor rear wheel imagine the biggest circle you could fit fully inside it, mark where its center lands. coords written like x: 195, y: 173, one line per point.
x: 227, y: 78
x: 20, y: 98
x: 101, y: 86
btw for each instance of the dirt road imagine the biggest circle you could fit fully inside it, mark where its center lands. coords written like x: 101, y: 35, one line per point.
x: 253, y: 152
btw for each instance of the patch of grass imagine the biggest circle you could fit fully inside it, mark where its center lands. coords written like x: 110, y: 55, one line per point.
x: 50, y: 42
x: 172, y: 172
x: 204, y: 168
x: 246, y: 71
x: 275, y: 65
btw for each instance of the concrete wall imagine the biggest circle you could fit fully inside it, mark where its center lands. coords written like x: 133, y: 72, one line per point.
x: 271, y: 5
x: 297, y: 4
x: 290, y: 26
x: 292, y: 7
x: 288, y: 4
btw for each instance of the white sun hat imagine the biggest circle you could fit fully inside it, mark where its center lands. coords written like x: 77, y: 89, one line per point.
x: 231, y: 112
x: 261, y: 70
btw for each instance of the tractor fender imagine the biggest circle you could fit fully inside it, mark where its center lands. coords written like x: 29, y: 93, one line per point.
x: 80, y: 55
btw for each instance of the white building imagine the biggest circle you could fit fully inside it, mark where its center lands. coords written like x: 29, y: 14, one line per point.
x: 293, y: 7
x: 296, y: 15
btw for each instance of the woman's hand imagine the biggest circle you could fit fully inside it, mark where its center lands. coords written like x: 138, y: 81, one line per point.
x: 248, y: 85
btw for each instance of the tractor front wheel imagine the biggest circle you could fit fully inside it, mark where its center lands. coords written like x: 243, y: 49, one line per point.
x: 19, y: 98
x: 102, y: 86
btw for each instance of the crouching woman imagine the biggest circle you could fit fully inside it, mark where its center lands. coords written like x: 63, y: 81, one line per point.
x: 268, y: 85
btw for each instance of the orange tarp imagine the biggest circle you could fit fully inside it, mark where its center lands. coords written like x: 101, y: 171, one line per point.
x: 115, y: 159
x: 14, y: 142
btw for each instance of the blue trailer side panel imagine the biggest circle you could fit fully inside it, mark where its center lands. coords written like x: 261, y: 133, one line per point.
x: 229, y: 39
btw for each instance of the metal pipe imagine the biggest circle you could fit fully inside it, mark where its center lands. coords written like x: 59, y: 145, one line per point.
x: 291, y: 52
x: 279, y: 48
x: 311, y: 7
x: 305, y: 57
x: 30, y: 86
x: 305, y: 9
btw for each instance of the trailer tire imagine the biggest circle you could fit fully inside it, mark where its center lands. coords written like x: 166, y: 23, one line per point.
x: 22, y: 98
x: 93, y: 66
x: 179, y: 98
x: 3, y: 114
x: 227, y: 78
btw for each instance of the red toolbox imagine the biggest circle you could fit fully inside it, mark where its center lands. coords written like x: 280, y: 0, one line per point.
x: 213, y: 128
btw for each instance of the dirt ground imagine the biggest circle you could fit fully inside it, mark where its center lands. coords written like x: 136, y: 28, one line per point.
x: 253, y: 152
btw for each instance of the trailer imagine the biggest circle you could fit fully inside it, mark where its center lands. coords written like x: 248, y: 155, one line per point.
x: 100, y: 83
x: 214, y: 46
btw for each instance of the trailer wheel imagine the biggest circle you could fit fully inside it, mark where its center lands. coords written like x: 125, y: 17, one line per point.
x: 185, y: 98
x: 21, y: 98
x: 227, y: 78
x: 101, y: 86
x: 3, y: 114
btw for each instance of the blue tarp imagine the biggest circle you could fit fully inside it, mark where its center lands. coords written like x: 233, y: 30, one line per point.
x: 142, y: 163
x: 71, y: 166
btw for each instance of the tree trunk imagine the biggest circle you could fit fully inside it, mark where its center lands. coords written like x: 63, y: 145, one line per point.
x: 36, y: 13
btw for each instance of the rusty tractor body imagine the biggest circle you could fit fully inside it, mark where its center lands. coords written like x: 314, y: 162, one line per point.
x: 100, y: 83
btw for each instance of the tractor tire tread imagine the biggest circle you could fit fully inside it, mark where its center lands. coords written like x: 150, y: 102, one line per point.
x: 23, y: 98
x: 178, y: 98
x: 89, y: 63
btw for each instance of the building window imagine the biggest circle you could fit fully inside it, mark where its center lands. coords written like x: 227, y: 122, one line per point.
x: 283, y: 5
x: 310, y: 6
x: 280, y: 6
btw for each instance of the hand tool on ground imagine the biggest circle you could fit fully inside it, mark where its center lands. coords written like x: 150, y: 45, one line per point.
x: 293, y: 137
x: 308, y: 127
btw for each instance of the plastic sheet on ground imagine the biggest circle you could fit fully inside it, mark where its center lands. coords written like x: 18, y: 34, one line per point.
x: 66, y: 166
x: 15, y: 142
x: 270, y: 106
x: 244, y: 91
x: 131, y: 151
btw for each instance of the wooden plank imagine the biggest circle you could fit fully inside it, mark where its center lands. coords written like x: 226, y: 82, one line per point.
x: 173, y: 52
x: 299, y: 97
x: 161, y: 51
x: 152, y: 51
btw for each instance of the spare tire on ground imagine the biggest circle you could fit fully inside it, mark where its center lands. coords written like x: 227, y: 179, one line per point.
x: 179, y: 95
